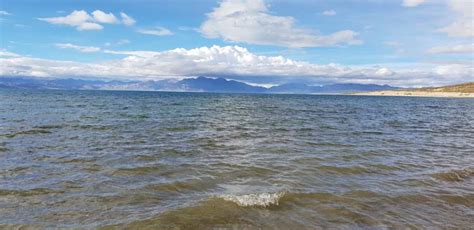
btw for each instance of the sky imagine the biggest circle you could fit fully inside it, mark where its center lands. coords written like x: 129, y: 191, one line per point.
x: 409, y: 43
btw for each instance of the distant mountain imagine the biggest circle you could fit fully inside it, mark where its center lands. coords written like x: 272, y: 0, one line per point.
x: 328, y: 89
x: 204, y: 84
x: 39, y: 83
x: 199, y: 84
x: 352, y: 87
x: 294, y: 88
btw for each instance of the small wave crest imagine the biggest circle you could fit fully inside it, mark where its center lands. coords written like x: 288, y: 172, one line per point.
x: 454, y: 175
x: 254, y: 200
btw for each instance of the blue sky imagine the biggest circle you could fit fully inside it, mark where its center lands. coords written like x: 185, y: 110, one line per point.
x: 398, y: 42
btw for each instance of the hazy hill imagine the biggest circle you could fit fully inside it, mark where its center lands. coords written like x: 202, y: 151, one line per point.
x: 204, y: 84
x: 465, y: 90
x: 199, y: 84
x: 460, y: 88
x: 329, y: 89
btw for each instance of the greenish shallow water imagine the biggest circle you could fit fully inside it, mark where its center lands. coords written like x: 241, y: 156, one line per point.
x: 88, y: 159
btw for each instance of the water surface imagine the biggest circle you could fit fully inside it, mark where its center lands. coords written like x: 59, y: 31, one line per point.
x: 87, y: 159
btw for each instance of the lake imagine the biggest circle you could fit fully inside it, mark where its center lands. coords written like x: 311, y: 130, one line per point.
x: 111, y: 159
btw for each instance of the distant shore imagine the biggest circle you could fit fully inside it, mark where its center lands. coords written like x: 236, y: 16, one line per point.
x: 413, y: 93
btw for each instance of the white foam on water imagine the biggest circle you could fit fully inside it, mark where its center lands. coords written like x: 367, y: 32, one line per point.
x: 258, y: 199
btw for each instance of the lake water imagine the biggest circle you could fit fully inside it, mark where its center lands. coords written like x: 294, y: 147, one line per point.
x: 87, y: 159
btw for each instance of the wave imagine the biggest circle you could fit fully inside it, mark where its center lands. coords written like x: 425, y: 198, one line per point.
x: 30, y: 192
x: 454, y: 175
x: 355, y: 209
x: 254, y: 200
x: 26, y: 132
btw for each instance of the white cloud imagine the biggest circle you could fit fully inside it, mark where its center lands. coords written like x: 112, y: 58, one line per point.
x: 35, y: 67
x: 4, y: 13
x: 384, y: 72
x: 118, y: 43
x: 329, y: 13
x: 462, y: 48
x: 84, y: 49
x: 90, y: 26
x: 6, y: 54
x: 455, y: 70
x: 82, y: 20
x: 78, y: 18
x: 158, y: 31
x: 231, y: 61
x: 127, y: 20
x: 250, y: 21
x: 464, y: 24
x: 412, y: 3
x: 102, y: 17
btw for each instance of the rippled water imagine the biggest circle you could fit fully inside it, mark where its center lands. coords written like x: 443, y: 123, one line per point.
x: 189, y: 160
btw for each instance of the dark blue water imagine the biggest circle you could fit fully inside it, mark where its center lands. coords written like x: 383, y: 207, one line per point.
x: 86, y: 159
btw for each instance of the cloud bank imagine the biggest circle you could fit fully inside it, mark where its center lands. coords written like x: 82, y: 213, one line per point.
x: 227, y: 61
x: 250, y: 21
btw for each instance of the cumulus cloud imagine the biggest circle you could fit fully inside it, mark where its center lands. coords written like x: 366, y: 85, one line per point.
x: 459, y: 49
x: 127, y: 20
x: 229, y: 61
x: 329, y: 13
x: 102, y: 17
x: 78, y: 18
x: 250, y: 21
x: 384, y: 72
x: 158, y: 31
x: 83, y: 49
x: 463, y: 26
x: 82, y: 20
x: 412, y: 3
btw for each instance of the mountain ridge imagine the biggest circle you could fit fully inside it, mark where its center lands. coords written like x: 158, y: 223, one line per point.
x: 198, y: 84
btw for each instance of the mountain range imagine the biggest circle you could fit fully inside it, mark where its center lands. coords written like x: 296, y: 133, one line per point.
x: 198, y: 84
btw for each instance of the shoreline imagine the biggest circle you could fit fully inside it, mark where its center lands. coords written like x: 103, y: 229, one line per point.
x: 409, y: 93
